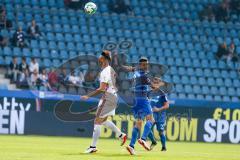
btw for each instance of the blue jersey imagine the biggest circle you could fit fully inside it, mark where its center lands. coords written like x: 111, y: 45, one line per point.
x: 159, y: 102
x: 142, y: 84
x: 142, y: 106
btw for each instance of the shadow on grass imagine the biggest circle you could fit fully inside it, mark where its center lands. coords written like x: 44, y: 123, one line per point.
x: 100, y: 154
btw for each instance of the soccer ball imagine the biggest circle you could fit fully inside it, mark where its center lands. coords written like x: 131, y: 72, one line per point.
x: 90, y: 8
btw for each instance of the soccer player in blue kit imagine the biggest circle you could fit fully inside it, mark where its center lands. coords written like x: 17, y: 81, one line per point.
x: 159, y: 106
x: 142, y: 108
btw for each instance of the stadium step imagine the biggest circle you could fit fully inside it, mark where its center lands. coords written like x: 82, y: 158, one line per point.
x: 5, y: 83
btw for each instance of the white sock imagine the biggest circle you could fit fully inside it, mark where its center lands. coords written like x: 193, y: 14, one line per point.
x: 96, y: 134
x: 113, y: 127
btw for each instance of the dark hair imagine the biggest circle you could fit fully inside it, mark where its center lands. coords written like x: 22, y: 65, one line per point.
x: 143, y: 59
x: 106, y: 54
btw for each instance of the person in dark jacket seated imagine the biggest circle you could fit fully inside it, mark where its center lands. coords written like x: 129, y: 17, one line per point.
x: 33, y: 30
x: 222, y: 51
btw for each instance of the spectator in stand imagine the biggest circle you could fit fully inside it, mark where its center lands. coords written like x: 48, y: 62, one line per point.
x: 222, y: 12
x: 23, y: 66
x: 3, y: 41
x: 75, y: 4
x: 4, y: 22
x: 53, y: 79
x: 63, y: 76
x: 34, y: 80
x: 119, y: 6
x: 73, y: 79
x: 33, y: 30
x: 2, y: 17
x: 24, y: 79
x: 235, y: 6
x: 44, y: 80
x: 13, y: 70
x: 232, y: 55
x: 81, y: 78
x: 33, y: 65
x: 222, y: 51
x: 19, y: 38
x: 207, y: 13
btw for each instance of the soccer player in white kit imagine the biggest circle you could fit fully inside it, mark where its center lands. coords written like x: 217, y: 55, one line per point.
x: 108, y: 102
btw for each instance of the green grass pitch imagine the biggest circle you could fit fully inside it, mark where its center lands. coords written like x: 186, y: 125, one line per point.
x: 67, y: 148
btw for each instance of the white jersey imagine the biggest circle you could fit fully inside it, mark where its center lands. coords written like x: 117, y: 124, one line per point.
x: 108, y: 75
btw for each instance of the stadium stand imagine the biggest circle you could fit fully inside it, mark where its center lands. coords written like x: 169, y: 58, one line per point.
x: 170, y: 33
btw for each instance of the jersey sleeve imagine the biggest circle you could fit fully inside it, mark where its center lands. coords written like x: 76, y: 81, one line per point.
x: 104, y: 77
x: 164, y: 99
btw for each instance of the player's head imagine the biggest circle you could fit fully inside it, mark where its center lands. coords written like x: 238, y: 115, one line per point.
x: 143, y: 63
x: 105, y: 58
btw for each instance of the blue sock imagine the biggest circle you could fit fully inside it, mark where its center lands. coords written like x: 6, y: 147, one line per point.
x: 163, y: 139
x: 135, y: 133
x: 151, y: 137
x: 147, y: 129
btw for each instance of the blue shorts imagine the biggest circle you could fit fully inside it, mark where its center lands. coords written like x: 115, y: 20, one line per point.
x: 160, y: 126
x: 141, y: 109
x: 159, y: 121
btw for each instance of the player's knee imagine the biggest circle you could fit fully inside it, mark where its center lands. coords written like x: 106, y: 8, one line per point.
x: 161, y: 132
x: 99, y: 120
x: 138, y: 124
x: 150, y: 118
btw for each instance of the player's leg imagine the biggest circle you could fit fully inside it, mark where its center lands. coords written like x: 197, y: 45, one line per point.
x: 109, y: 110
x: 96, y: 134
x: 152, y: 138
x: 115, y: 129
x: 147, y: 129
x: 135, y: 133
x: 161, y: 131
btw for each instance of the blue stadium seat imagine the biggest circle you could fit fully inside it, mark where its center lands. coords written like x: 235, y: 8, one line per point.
x: 43, y: 44
x: 179, y: 88
x: 72, y: 54
x: 34, y: 44
x: 45, y: 53
x: 54, y: 54
x: 226, y: 99
x: 17, y: 51
x: 52, y: 45
x: 228, y: 82
x: 56, y: 62
x: 61, y: 46
x: 59, y: 37
x: 188, y: 89
x: 176, y: 79
x: 70, y: 46
x: 35, y: 52
x: 26, y: 52
x: 211, y: 81
x: 185, y: 80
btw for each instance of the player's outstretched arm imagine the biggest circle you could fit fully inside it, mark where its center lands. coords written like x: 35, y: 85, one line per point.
x: 128, y: 68
x: 101, y: 89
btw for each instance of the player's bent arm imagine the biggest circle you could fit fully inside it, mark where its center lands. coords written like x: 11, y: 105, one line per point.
x: 101, y: 89
x: 164, y: 107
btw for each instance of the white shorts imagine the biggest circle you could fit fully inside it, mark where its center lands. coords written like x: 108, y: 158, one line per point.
x: 107, y: 105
